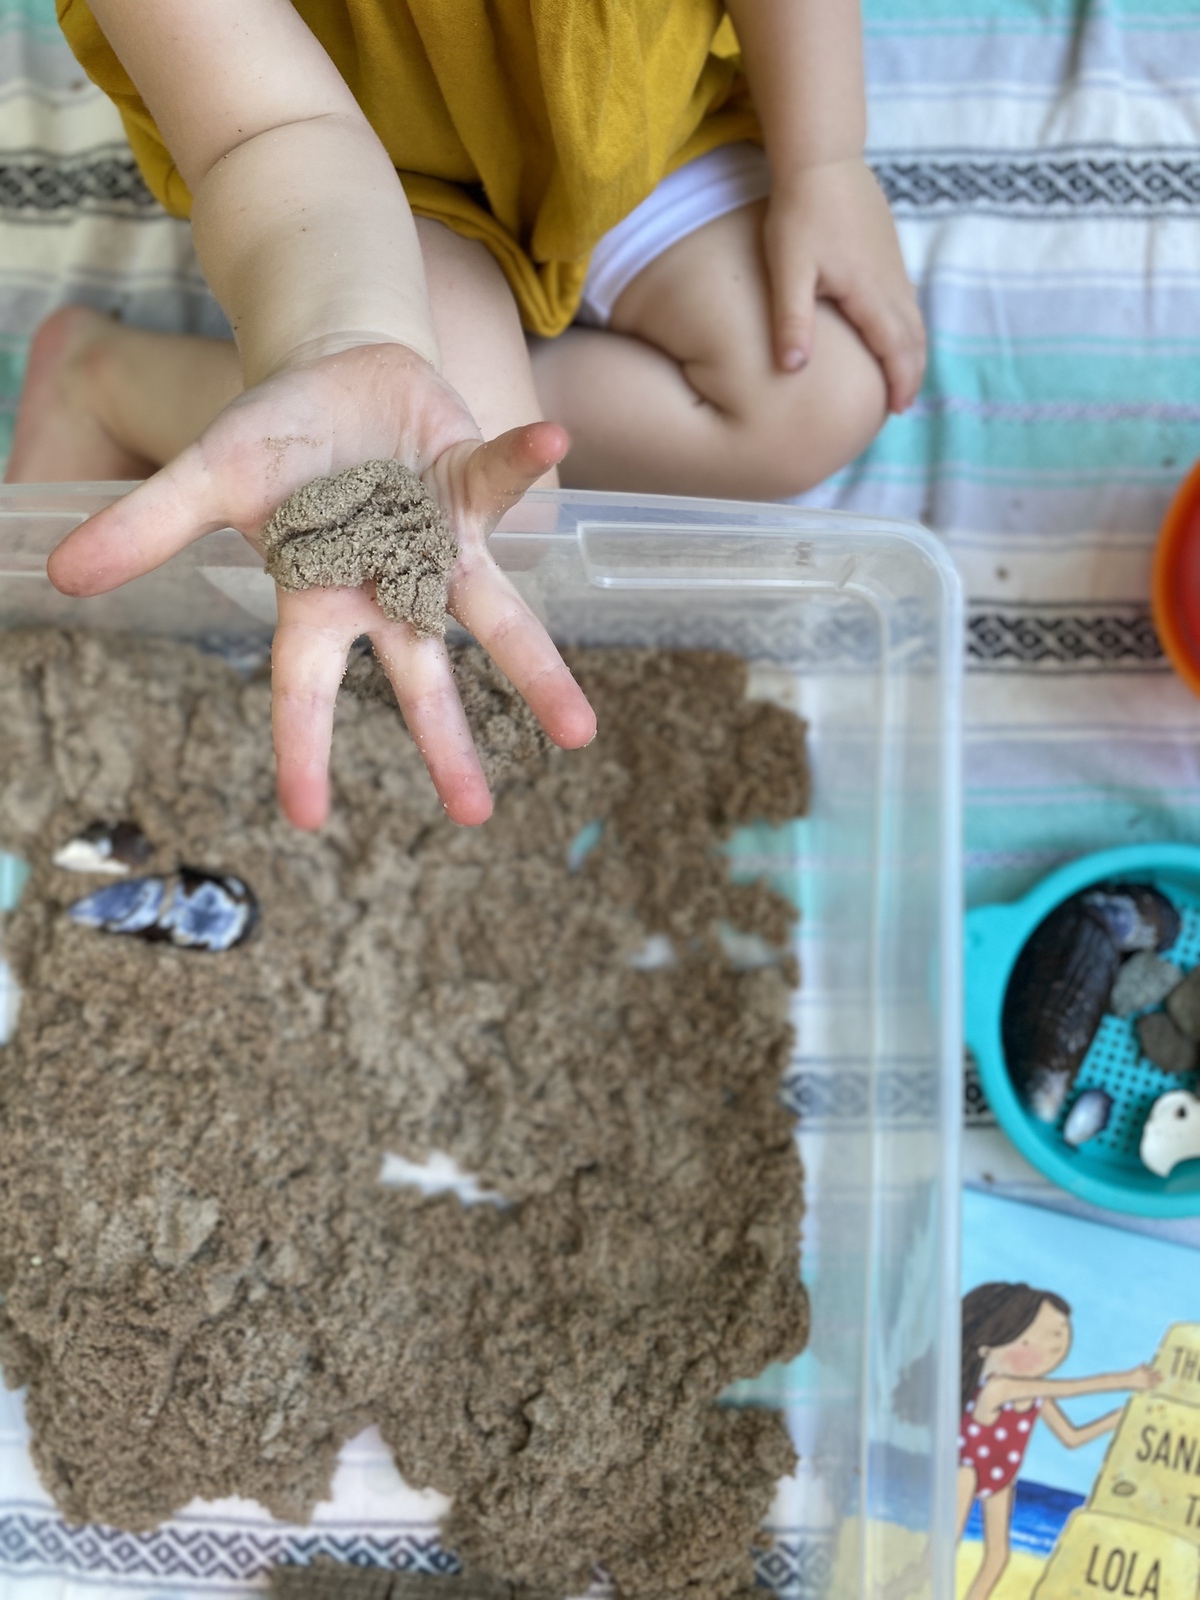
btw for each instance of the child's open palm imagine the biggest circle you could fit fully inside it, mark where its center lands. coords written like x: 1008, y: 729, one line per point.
x: 370, y: 402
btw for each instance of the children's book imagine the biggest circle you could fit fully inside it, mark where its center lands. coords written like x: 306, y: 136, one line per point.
x: 1079, y: 1419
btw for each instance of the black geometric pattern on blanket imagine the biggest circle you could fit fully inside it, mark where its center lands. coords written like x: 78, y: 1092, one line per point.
x: 34, y: 1542
x: 976, y: 1111
x: 841, y: 1094
x: 796, y: 1569
x: 1099, y: 182
x: 103, y: 179
x: 1076, y: 636
x: 1160, y: 184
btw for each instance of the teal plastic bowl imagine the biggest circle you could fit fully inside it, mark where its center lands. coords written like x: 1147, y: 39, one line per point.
x: 1106, y: 1171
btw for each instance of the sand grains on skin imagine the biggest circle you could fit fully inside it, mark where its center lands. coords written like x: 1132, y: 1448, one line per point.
x: 206, y: 1289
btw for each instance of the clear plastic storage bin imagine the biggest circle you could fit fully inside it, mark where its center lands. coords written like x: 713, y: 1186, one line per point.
x: 855, y: 624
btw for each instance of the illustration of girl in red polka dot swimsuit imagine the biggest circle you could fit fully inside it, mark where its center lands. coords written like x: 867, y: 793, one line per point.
x: 1012, y: 1337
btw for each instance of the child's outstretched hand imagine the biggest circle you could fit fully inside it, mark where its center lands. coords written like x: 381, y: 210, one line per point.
x: 312, y: 420
x: 1143, y: 1378
x: 829, y: 235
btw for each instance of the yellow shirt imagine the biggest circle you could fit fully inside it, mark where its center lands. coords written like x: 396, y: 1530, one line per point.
x: 532, y: 125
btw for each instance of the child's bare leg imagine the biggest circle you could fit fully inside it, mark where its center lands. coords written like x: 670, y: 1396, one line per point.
x: 479, y: 333
x: 104, y: 401
x: 682, y: 396
x: 997, y: 1522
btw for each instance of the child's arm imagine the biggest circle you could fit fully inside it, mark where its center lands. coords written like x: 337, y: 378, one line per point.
x: 300, y: 221
x: 305, y: 234
x: 828, y: 232
x: 999, y: 1391
x: 1066, y: 1432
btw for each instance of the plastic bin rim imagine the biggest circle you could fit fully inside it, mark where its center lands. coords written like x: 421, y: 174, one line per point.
x: 696, y: 514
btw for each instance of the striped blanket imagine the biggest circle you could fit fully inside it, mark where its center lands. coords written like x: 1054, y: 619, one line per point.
x: 1043, y: 160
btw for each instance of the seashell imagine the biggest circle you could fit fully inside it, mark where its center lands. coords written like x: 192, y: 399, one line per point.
x: 208, y: 911
x: 1137, y: 916
x: 1061, y: 982
x: 1055, y: 1001
x: 193, y: 909
x: 1171, y: 1133
x: 129, y: 907
x: 103, y: 848
x: 1087, y: 1117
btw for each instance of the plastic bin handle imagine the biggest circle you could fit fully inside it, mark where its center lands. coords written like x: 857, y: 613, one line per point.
x: 625, y: 555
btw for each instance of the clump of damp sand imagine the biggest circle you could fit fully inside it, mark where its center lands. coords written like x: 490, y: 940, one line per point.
x: 205, y: 1287
x: 375, y: 523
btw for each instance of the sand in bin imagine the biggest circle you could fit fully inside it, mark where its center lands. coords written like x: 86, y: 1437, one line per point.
x: 375, y: 523
x: 507, y: 735
x: 206, y: 1290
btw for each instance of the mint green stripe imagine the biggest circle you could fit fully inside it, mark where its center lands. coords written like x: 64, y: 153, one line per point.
x: 37, y: 18
x: 875, y: 467
x: 1127, y: 375
x: 1137, y: 351
x: 1062, y: 826
x: 1021, y: 16
x: 990, y: 450
x: 34, y: 13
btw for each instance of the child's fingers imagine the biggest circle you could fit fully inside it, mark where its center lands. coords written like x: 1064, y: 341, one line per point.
x: 892, y: 329
x: 486, y: 603
x: 419, y: 670
x: 792, y: 272
x: 141, y: 530
x: 308, y: 658
x: 476, y: 484
x: 315, y: 631
x: 492, y: 478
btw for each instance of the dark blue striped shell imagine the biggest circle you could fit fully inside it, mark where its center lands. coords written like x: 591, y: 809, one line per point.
x: 1060, y: 984
x: 192, y: 909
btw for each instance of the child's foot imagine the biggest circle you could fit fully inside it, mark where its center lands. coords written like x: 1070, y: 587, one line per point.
x: 59, y: 435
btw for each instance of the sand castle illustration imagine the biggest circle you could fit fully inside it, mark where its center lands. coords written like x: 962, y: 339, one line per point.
x: 1138, y: 1535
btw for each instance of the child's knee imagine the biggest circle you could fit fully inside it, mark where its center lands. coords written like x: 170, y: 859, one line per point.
x: 830, y: 412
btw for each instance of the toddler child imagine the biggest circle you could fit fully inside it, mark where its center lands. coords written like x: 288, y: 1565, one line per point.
x: 435, y: 223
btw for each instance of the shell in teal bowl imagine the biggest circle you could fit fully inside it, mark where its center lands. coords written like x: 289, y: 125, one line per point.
x: 1106, y: 1171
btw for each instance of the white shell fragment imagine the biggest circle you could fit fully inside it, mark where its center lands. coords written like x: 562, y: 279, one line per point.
x: 1172, y: 1132
x: 100, y: 848
x: 438, y: 1174
x: 1087, y: 1117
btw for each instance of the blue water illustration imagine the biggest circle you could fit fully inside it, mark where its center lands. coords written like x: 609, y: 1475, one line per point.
x: 1039, y: 1513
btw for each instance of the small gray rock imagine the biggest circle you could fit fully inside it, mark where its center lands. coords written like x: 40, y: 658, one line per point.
x: 1164, y: 1045
x: 1183, y: 1005
x: 1143, y: 981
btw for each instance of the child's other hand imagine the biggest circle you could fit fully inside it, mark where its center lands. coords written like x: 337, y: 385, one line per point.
x: 1143, y: 1378
x: 370, y: 402
x: 829, y: 235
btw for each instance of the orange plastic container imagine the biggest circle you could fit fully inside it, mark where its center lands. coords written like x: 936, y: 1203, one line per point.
x: 1175, y: 590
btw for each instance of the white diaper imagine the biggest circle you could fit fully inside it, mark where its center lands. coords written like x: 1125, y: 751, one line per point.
x: 730, y: 176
